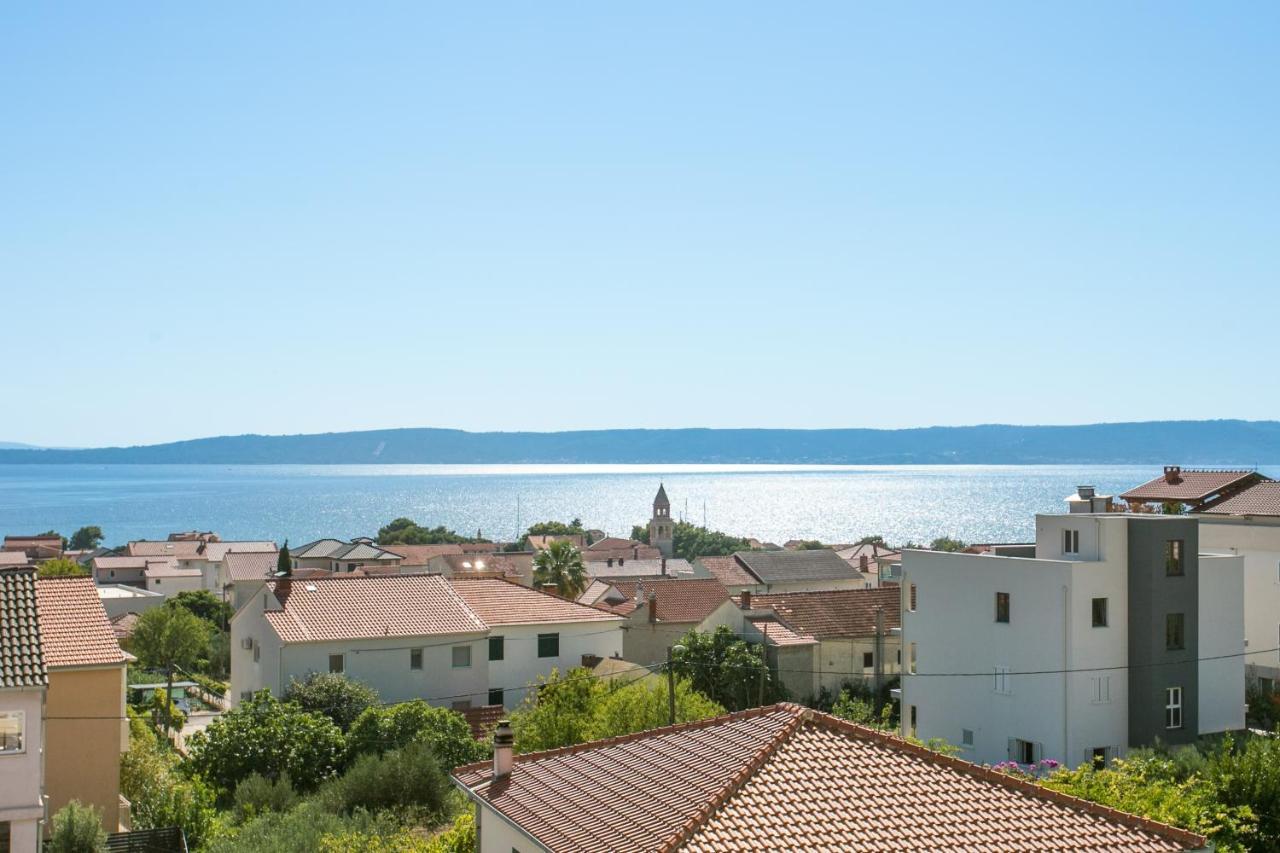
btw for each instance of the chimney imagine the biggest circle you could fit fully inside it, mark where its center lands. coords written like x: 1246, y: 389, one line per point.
x: 653, y: 607
x: 863, y: 562
x: 503, y: 748
x: 609, y: 562
x: 1085, y: 492
x: 664, y: 567
x: 746, y: 599
x: 1173, y: 474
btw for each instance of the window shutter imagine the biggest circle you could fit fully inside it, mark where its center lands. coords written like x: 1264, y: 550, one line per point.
x: 1013, y: 745
x: 1038, y: 752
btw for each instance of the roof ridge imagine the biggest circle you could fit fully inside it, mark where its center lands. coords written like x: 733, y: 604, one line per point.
x: 831, y: 722
x: 744, y: 774
x: 539, y: 755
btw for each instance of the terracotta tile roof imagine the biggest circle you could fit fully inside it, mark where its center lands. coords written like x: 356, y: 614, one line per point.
x: 461, y: 563
x: 119, y: 563
x: 12, y: 559
x: 169, y: 569
x: 779, y: 634
x: 188, y: 548
x: 22, y: 663
x: 835, y: 613
x: 614, y: 543
x: 122, y: 626
x: 483, y: 719
x: 785, y: 777
x: 679, y: 599
x: 215, y: 552
x: 1259, y: 499
x: 351, y: 607
x: 728, y: 571
x: 22, y: 543
x: 1190, y: 485
x: 419, y: 555
x: 500, y: 602
x: 73, y: 626
x: 251, y: 565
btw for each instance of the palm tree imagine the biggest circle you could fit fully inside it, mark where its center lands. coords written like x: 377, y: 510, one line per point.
x: 560, y: 565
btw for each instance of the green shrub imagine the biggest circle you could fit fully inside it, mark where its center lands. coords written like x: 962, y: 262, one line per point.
x: 77, y: 829
x: 447, y: 732
x: 301, y: 830
x: 266, y: 736
x: 159, y: 793
x: 257, y: 795
x: 407, y: 778
x: 333, y: 694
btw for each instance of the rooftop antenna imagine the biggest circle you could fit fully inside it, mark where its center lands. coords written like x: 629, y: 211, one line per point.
x: 704, y: 513
x: 517, y: 539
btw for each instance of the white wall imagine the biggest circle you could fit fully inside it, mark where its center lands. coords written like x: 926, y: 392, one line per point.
x: 521, y: 665
x: 955, y: 632
x: 22, y: 774
x: 171, y: 585
x: 497, y: 835
x: 1258, y: 540
x: 383, y: 664
x: 1222, y: 625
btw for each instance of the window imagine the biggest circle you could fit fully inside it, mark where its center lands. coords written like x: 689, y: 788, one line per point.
x: 548, y: 645
x: 1071, y: 541
x: 1100, y: 690
x: 1174, y: 635
x: 12, y: 731
x: 495, y: 697
x: 914, y: 720
x: 966, y: 737
x: 1001, y: 682
x: 415, y: 658
x: 1173, y: 558
x: 461, y: 656
x: 868, y: 660
x: 1024, y: 751
x: 911, y: 661
x: 1099, y: 613
x: 1267, y: 685
x: 337, y: 663
x: 1002, y: 607
x: 1098, y: 757
x: 1173, y: 708
x: 257, y: 652
x: 911, y: 599
x: 497, y: 648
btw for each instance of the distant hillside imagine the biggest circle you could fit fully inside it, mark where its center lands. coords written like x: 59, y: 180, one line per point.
x: 16, y: 445
x: 1202, y: 442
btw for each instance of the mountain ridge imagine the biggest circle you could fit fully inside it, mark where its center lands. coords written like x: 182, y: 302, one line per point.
x: 1211, y: 442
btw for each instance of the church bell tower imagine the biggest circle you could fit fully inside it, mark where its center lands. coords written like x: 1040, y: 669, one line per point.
x: 662, y: 529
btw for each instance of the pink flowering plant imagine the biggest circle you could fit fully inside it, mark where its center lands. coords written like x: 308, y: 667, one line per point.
x: 1041, y: 769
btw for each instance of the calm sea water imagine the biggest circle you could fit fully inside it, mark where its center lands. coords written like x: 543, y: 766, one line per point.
x: 977, y: 503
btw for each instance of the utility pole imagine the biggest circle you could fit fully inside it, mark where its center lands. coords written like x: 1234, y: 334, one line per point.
x: 671, y: 688
x: 764, y: 667
x: 879, y: 653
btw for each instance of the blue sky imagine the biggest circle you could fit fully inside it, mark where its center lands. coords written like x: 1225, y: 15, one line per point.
x: 309, y: 217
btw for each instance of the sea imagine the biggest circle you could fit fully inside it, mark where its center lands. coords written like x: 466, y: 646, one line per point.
x: 774, y: 503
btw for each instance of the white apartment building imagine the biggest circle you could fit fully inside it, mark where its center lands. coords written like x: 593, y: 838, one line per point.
x: 459, y: 643
x: 1119, y: 630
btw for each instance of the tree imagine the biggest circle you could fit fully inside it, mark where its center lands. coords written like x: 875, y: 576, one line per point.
x: 266, y: 736
x: 404, y: 778
x: 77, y: 828
x: 86, y: 539
x: 689, y: 541
x: 946, y: 543
x: 62, y: 568
x: 809, y: 545
x: 577, y: 707
x: 406, y: 531
x: 725, y: 668
x: 169, y: 638
x: 876, y: 539
x: 160, y: 795
x: 339, y: 698
x: 284, y: 563
x: 204, y: 605
x: 560, y: 565
x: 445, y: 731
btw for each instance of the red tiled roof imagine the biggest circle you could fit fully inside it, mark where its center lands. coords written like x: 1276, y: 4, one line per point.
x: 614, y: 543
x: 1259, y: 499
x: 419, y: 555
x: 728, y: 571
x: 779, y: 634
x: 785, y: 777
x: 679, y: 600
x: 835, y: 613
x: 500, y: 602
x: 74, y: 630
x: 122, y: 626
x: 188, y: 548
x: 251, y: 565
x: 482, y: 563
x: 12, y: 559
x: 345, y: 607
x: 217, y: 551
x: 1190, y: 485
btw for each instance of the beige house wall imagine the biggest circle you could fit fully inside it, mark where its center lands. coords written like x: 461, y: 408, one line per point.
x: 85, y: 732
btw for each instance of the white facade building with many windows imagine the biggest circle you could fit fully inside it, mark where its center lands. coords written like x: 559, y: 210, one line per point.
x: 1117, y: 632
